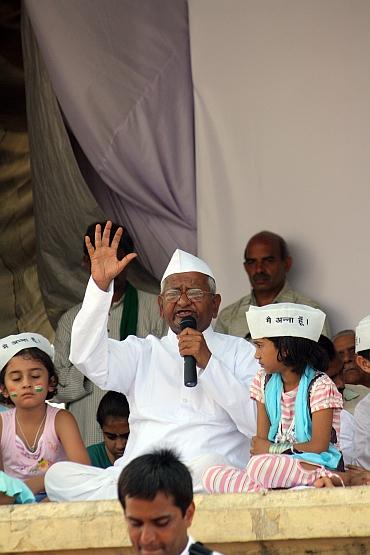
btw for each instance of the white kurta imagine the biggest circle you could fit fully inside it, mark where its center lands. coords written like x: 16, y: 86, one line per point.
x: 217, y: 416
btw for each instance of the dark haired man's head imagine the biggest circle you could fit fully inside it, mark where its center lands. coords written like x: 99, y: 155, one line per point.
x: 298, y: 352
x: 335, y: 368
x: 112, y: 416
x: 35, y: 354
x: 126, y: 246
x: 156, y: 493
x: 267, y: 261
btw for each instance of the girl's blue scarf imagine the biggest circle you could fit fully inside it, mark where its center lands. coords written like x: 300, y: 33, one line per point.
x: 303, y: 423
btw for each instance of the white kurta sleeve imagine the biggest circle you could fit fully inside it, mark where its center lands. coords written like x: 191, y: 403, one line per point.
x: 229, y: 387
x: 108, y: 363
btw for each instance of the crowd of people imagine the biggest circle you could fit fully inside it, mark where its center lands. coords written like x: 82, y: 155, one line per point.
x: 276, y: 403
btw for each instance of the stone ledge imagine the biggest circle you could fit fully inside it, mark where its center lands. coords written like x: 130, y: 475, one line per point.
x: 277, y: 522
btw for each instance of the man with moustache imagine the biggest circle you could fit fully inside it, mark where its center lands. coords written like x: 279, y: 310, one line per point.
x: 266, y: 262
x: 207, y: 424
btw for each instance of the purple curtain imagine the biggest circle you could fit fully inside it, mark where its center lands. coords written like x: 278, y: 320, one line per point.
x: 121, y: 72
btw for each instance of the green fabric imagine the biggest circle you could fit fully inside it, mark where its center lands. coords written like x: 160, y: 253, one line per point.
x: 15, y: 488
x: 98, y: 455
x: 130, y: 312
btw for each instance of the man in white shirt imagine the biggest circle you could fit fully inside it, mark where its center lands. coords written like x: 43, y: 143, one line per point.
x: 362, y: 410
x: 156, y: 494
x: 212, y: 421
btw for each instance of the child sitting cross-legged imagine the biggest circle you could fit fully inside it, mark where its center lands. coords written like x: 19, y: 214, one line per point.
x: 112, y: 416
x: 33, y: 434
x: 298, y: 405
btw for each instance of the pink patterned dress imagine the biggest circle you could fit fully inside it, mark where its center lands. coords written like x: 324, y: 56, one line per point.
x: 270, y: 471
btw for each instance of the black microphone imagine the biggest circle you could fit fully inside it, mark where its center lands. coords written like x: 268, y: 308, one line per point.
x: 190, y: 367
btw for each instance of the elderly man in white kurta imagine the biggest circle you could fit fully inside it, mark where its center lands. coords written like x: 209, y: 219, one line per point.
x: 212, y: 421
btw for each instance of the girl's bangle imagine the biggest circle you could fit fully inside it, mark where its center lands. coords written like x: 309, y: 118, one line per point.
x: 278, y: 448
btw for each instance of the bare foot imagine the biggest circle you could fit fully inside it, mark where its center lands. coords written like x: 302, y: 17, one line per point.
x: 324, y: 482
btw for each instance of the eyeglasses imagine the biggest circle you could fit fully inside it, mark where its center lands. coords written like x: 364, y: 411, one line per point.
x: 174, y: 295
x: 114, y: 437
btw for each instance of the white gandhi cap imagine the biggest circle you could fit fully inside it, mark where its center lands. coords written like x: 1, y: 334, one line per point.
x: 285, y: 319
x: 182, y: 261
x: 12, y: 344
x: 363, y: 335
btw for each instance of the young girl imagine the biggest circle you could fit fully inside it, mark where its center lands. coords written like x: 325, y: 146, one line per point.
x: 34, y: 434
x: 298, y: 407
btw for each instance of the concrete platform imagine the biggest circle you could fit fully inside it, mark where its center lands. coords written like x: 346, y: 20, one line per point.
x: 280, y: 522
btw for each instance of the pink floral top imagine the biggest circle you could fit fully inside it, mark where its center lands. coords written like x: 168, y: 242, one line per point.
x: 21, y: 463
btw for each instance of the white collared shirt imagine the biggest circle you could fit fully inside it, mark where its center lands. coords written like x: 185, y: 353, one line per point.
x: 216, y: 416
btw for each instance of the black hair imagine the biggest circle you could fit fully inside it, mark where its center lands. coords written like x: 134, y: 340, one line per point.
x: 126, y: 244
x: 112, y: 404
x: 158, y: 472
x: 36, y: 354
x: 365, y: 354
x: 298, y: 352
x: 328, y: 347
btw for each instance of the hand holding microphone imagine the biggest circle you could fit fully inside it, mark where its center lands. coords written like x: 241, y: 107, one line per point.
x: 193, y: 348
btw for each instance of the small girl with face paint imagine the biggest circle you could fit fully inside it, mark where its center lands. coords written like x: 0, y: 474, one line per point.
x: 33, y: 434
x: 298, y: 406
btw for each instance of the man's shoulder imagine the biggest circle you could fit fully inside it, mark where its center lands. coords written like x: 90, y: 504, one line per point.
x: 96, y: 448
x: 232, y: 320
x: 290, y: 295
x: 70, y: 314
x: 145, y: 296
x: 240, y: 305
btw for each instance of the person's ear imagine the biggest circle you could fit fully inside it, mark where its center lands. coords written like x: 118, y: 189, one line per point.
x: 160, y: 304
x: 4, y: 392
x: 363, y: 363
x: 216, y: 304
x: 189, y: 514
x: 288, y: 263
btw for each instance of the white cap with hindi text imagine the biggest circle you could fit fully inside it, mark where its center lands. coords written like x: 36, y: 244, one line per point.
x: 363, y: 335
x: 182, y: 261
x: 12, y: 344
x: 285, y: 319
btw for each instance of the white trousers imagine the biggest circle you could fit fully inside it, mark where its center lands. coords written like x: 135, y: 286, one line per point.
x: 69, y: 481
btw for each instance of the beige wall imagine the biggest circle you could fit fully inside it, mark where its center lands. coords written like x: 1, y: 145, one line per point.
x: 317, y: 521
x: 282, y: 92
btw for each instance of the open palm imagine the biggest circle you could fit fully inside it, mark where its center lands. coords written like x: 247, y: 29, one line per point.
x: 105, y: 265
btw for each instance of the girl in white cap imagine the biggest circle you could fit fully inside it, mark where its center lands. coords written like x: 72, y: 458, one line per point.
x: 298, y: 405
x: 33, y: 434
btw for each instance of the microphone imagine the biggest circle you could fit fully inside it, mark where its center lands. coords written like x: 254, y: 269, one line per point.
x: 190, y: 367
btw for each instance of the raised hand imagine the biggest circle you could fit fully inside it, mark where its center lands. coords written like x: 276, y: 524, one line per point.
x: 105, y: 265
